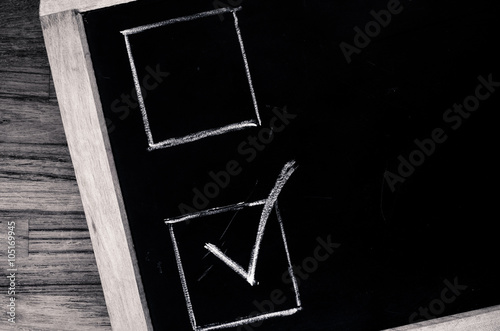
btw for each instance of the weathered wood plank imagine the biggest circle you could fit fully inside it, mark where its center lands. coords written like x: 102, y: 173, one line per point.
x: 58, y: 269
x: 64, y: 242
x: 41, y: 270
x: 50, y: 221
x: 54, y: 308
x: 39, y: 195
x: 58, y: 286
x: 59, y: 251
x: 21, y: 43
x: 34, y: 151
x: 30, y: 121
x: 29, y: 163
x: 22, y: 84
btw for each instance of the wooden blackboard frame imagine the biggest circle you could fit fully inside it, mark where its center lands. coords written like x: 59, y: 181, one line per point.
x: 89, y: 145
x: 88, y: 142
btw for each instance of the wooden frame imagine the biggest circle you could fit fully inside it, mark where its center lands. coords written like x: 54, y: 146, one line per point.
x: 88, y: 142
x: 89, y: 145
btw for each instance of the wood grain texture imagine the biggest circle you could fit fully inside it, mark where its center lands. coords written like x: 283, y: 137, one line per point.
x: 21, y: 43
x: 88, y: 142
x: 81, y: 304
x: 487, y: 319
x: 49, y: 7
x: 58, y: 286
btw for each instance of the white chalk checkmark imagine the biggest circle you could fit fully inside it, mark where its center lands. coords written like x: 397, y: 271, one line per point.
x: 249, y: 275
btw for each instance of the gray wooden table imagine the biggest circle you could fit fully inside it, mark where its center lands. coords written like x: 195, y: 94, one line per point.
x: 57, y: 283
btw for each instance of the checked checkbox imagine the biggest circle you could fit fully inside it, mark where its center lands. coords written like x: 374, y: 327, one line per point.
x: 217, y: 289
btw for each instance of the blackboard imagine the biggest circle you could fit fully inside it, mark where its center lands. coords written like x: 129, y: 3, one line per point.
x: 372, y: 124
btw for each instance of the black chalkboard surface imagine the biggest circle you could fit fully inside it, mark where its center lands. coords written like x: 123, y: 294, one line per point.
x: 348, y: 141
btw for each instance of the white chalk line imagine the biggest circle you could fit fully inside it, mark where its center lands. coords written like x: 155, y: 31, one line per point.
x: 228, y: 225
x: 290, y: 268
x: 284, y: 176
x: 249, y: 275
x: 201, y: 135
x: 146, y: 27
x: 250, y: 320
x: 183, y: 279
x: 233, y: 265
x: 213, y: 211
x: 242, y: 321
x: 247, y: 68
x: 205, y: 273
x: 137, y: 85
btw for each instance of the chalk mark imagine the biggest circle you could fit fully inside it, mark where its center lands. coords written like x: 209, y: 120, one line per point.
x: 249, y: 275
x: 171, y: 142
x: 205, y: 273
x: 146, y: 27
x: 192, y: 318
x: 138, y: 90
x: 213, y: 211
x: 285, y: 244
x: 249, y: 320
x: 247, y: 68
x: 201, y: 135
x: 268, y: 204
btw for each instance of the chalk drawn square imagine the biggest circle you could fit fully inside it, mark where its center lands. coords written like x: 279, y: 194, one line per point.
x: 216, y: 297
x: 208, y: 90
